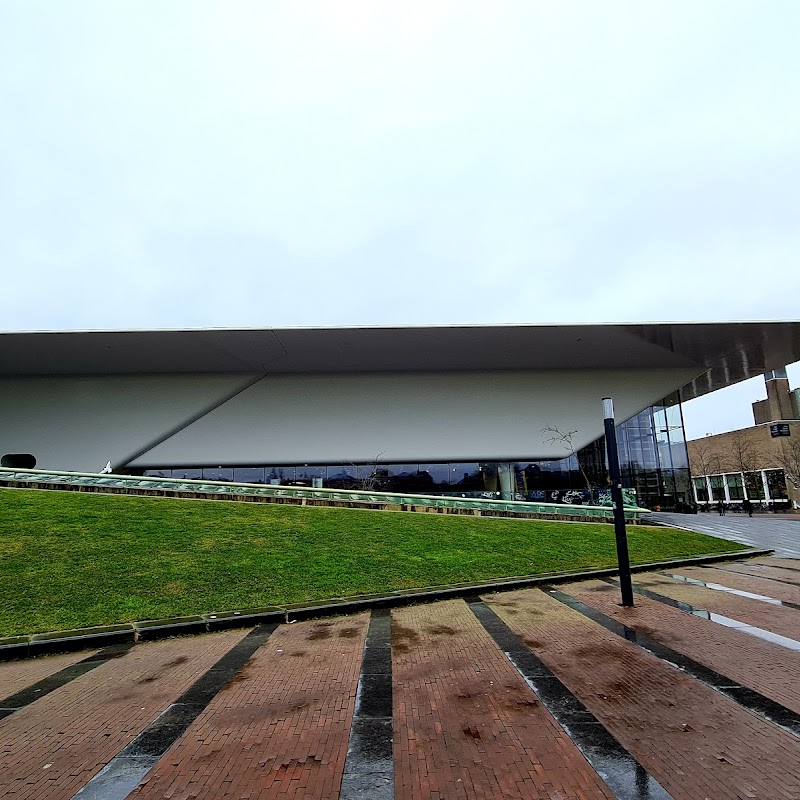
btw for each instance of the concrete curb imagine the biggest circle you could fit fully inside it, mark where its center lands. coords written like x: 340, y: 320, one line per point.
x: 15, y: 647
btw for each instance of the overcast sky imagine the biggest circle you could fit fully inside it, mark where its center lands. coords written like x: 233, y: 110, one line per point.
x: 174, y: 164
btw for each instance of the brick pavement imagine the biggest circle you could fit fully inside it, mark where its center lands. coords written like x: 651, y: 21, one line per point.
x: 768, y: 668
x: 744, y: 583
x: 780, y: 620
x: 281, y: 727
x: 16, y: 675
x: 697, y: 743
x: 51, y: 748
x: 467, y: 724
x: 762, y: 570
x: 775, y: 561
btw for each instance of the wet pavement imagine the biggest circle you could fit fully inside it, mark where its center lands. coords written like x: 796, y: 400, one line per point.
x: 778, y: 532
x: 556, y: 693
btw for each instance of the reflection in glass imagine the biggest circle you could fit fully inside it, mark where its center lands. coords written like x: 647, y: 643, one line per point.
x: 248, y: 474
x: 341, y: 476
x: 283, y: 476
x: 435, y: 476
x: 306, y: 475
x: 754, y: 485
x: 406, y: 478
x: 466, y: 479
x: 701, y: 489
x: 735, y: 486
x: 188, y: 474
x: 776, y: 484
x: 652, y: 452
x: 217, y: 473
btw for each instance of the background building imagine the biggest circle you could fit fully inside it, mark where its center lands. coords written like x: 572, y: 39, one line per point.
x: 761, y: 463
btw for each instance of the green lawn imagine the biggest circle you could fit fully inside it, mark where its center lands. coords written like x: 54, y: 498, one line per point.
x: 71, y: 560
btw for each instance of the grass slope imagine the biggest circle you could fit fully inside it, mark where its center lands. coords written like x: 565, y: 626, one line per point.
x: 71, y: 560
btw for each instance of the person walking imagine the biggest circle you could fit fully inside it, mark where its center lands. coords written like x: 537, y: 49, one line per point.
x: 748, y: 506
x: 721, y: 508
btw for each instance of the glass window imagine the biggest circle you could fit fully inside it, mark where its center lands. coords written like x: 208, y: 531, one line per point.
x: 192, y: 474
x: 249, y: 474
x: 283, y: 476
x: 735, y: 486
x: 217, y: 473
x: 678, y: 452
x: 466, y: 478
x: 158, y: 473
x: 776, y: 483
x: 700, y: 489
x: 435, y: 476
x: 754, y: 485
x: 683, y: 492
x: 529, y: 478
x: 403, y: 478
x: 373, y: 477
x: 310, y: 476
x: 717, y: 488
x: 341, y: 476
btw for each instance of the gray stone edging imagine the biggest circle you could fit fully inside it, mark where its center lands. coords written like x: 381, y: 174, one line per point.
x: 28, y: 646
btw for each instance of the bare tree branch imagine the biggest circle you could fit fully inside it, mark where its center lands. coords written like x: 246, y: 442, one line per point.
x: 703, y: 460
x: 788, y: 458
x: 566, y: 439
x: 368, y: 483
x: 742, y: 454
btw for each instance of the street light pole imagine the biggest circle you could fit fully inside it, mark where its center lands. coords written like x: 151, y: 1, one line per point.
x: 616, y: 496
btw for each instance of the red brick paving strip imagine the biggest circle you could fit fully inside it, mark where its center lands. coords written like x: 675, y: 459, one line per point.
x: 783, y: 621
x: 744, y: 583
x: 51, y: 748
x: 466, y: 723
x: 281, y: 727
x: 18, y: 675
x: 753, y: 568
x: 792, y: 564
x: 698, y: 744
x: 768, y: 668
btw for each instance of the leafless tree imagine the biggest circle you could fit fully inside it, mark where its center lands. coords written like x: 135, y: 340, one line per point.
x: 368, y: 482
x: 704, y: 460
x: 788, y: 459
x: 566, y: 439
x: 743, y: 455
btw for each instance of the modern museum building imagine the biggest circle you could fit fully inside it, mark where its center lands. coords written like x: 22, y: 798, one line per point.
x: 510, y: 411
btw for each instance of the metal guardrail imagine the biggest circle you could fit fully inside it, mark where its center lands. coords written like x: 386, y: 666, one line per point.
x: 113, y: 481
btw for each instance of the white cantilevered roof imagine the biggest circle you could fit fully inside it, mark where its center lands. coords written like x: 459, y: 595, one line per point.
x: 723, y: 352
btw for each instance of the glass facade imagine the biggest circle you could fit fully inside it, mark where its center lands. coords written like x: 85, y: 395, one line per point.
x: 653, y: 461
x: 653, y: 456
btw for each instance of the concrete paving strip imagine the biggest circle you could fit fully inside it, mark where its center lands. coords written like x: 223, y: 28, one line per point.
x: 369, y: 768
x: 18, y: 700
x: 624, y: 775
x: 748, y: 698
x: 718, y: 587
x: 124, y: 772
x: 780, y: 563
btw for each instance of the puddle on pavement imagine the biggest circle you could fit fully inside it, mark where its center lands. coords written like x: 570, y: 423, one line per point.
x: 718, y: 587
x: 728, y: 622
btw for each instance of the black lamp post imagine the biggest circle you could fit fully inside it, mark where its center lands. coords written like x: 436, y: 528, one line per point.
x: 616, y: 497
